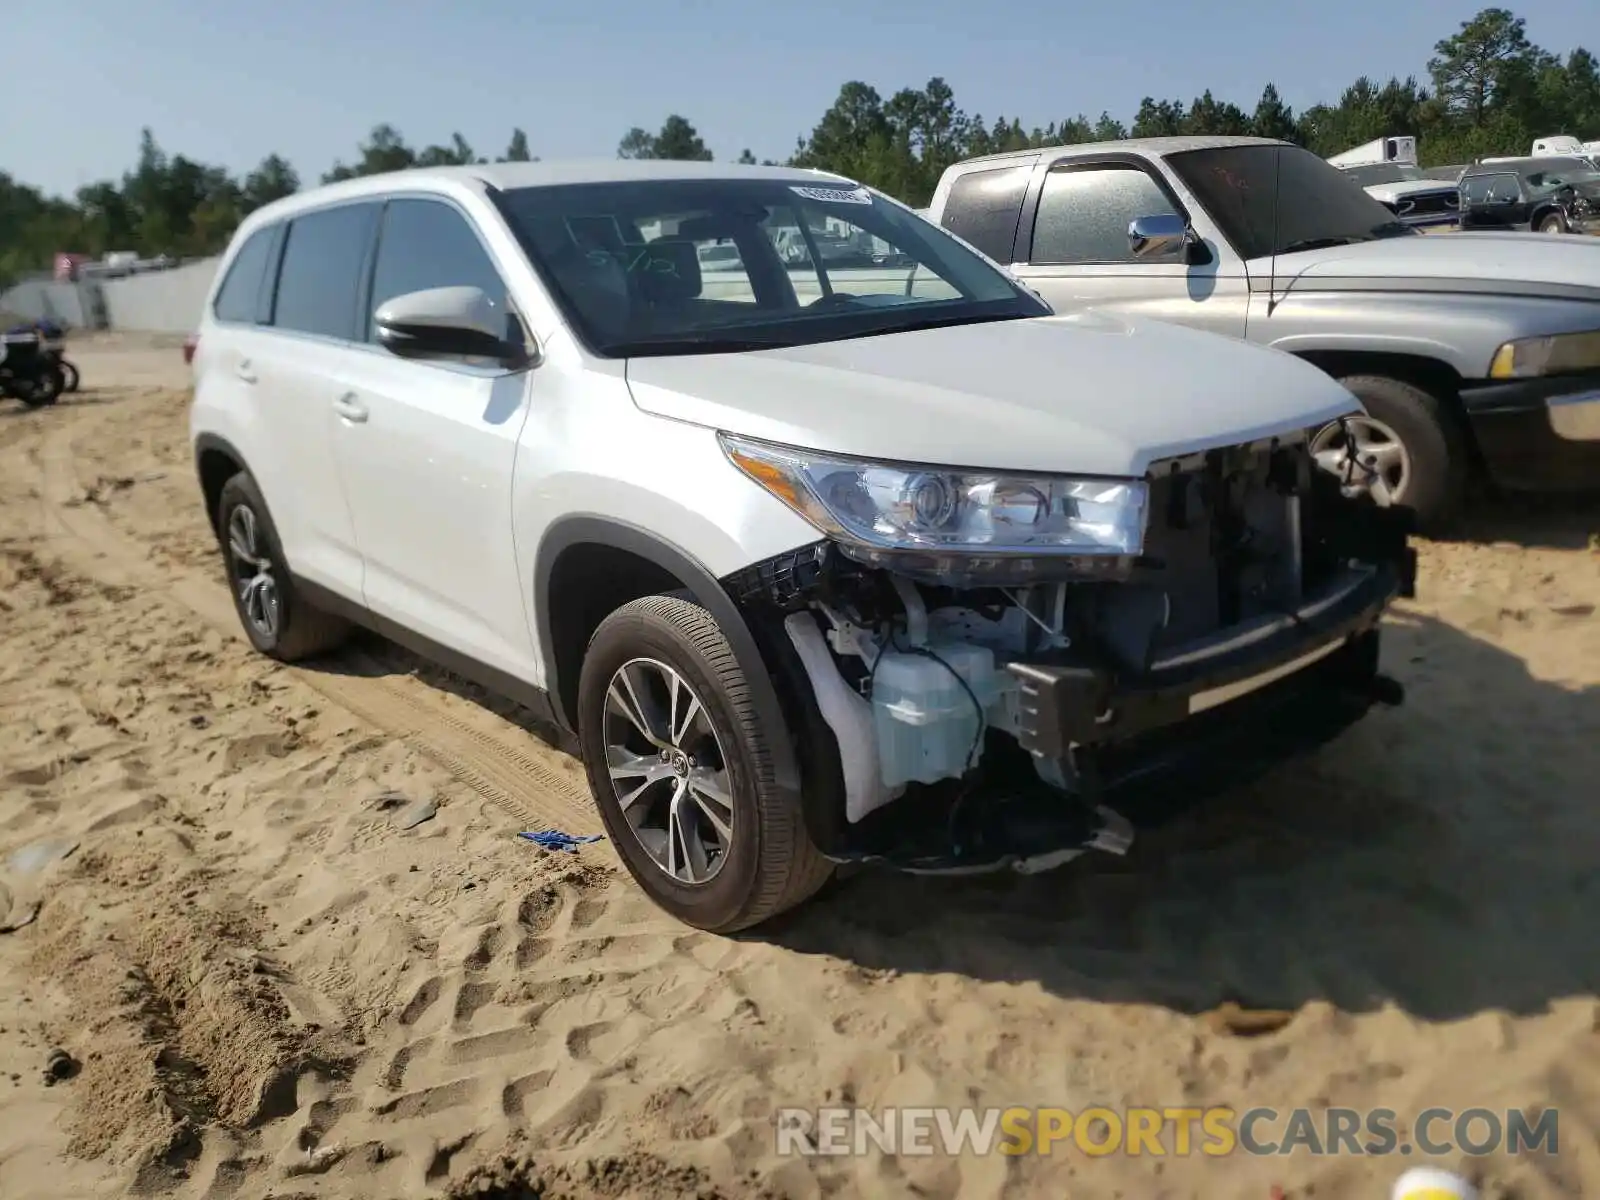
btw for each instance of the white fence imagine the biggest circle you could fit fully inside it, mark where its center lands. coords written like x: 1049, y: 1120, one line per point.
x: 152, y: 301
x: 74, y: 305
x: 160, y: 301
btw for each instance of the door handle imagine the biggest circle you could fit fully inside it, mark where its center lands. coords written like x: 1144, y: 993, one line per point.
x: 350, y: 409
x: 243, y: 371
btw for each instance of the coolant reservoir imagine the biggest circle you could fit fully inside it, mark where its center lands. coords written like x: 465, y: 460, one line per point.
x: 925, y: 721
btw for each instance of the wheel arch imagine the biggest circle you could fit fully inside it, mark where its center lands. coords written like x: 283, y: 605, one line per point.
x: 588, y: 566
x: 216, y: 461
x: 1433, y: 375
x: 1423, y: 370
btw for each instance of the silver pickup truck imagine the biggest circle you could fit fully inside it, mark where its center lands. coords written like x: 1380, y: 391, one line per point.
x: 1473, y: 354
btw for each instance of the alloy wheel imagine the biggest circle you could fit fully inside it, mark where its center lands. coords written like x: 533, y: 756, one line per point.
x: 668, y: 770
x: 250, y: 569
x: 1367, y: 457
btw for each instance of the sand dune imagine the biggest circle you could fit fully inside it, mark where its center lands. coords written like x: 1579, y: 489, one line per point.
x: 270, y: 987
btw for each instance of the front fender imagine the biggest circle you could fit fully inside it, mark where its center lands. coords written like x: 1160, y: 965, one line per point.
x: 1461, y: 331
x: 703, y: 588
x: 1461, y: 328
x: 1369, y: 343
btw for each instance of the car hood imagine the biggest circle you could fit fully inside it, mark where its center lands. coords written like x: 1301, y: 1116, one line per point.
x: 1508, y: 258
x: 1409, y: 187
x: 1089, y: 393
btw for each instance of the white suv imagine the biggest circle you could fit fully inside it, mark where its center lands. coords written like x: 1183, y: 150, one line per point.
x: 820, y: 564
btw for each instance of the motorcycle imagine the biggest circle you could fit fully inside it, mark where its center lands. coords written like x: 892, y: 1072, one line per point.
x: 53, y: 341
x: 28, y: 371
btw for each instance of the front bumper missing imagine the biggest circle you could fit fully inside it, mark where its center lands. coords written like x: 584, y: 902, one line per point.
x: 1068, y: 708
x: 1213, y: 717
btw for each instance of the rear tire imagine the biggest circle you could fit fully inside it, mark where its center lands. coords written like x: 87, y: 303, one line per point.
x: 765, y: 863
x: 276, y: 617
x: 43, y: 390
x: 1435, y: 448
x: 70, y: 375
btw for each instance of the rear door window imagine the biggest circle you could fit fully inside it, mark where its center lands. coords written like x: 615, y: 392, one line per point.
x: 237, y: 297
x: 984, y: 206
x: 1491, y: 189
x: 320, y: 279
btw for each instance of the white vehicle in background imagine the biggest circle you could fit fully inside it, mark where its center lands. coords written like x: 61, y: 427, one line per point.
x: 1386, y: 168
x: 1563, y: 146
x: 720, y: 256
x: 889, y: 565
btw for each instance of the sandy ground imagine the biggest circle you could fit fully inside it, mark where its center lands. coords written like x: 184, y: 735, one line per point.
x: 269, y: 987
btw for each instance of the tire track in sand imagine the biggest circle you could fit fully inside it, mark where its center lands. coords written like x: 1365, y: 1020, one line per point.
x: 491, y: 756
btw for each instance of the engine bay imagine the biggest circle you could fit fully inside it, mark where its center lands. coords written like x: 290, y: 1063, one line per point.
x: 983, y: 723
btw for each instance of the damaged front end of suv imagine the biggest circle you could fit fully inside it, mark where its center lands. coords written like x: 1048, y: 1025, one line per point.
x: 987, y: 670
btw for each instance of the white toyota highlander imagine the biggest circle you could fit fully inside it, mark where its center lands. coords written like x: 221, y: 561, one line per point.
x: 821, y: 561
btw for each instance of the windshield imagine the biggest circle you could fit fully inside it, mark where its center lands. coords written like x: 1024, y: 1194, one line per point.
x: 692, y: 266
x: 1386, y: 173
x: 1278, y: 199
x: 1562, y: 172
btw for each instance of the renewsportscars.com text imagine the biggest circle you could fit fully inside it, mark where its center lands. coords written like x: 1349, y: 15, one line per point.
x: 1162, y: 1131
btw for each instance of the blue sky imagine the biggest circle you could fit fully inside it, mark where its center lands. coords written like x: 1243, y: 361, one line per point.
x: 230, y: 82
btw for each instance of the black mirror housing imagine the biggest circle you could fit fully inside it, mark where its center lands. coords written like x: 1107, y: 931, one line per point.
x: 422, y: 342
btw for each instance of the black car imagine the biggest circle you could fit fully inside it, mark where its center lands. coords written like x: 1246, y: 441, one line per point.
x: 1549, y: 195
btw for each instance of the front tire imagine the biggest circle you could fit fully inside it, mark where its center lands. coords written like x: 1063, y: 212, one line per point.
x: 1552, y: 223
x: 1412, y: 452
x: 679, y: 764
x: 69, y: 374
x: 278, y: 620
x: 43, y: 390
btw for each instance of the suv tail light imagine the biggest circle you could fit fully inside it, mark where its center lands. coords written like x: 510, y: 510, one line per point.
x: 190, y: 344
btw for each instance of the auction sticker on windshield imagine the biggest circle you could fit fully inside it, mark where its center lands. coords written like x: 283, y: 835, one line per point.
x: 858, y: 195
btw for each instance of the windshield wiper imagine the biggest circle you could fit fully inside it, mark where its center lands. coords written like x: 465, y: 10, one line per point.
x: 945, y: 322
x: 734, y: 342
x: 1321, y: 243
x: 703, y: 344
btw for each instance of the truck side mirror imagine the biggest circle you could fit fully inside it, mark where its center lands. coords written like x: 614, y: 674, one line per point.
x: 1165, y: 235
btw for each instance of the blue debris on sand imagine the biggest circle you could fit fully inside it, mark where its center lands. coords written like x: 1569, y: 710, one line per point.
x: 554, y: 839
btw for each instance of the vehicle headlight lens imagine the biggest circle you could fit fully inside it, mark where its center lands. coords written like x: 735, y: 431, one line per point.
x: 888, y: 507
x: 1559, y: 354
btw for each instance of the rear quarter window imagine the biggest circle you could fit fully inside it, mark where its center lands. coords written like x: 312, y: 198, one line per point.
x: 241, y: 288
x: 984, y: 207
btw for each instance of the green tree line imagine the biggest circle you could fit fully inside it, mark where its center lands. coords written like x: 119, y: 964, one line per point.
x: 1489, y: 90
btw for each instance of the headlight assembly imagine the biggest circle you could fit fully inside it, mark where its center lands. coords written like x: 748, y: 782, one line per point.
x: 937, y: 510
x: 1558, y: 354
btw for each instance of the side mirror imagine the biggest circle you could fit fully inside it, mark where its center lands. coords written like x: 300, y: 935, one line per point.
x: 1164, y: 236
x: 449, y: 322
